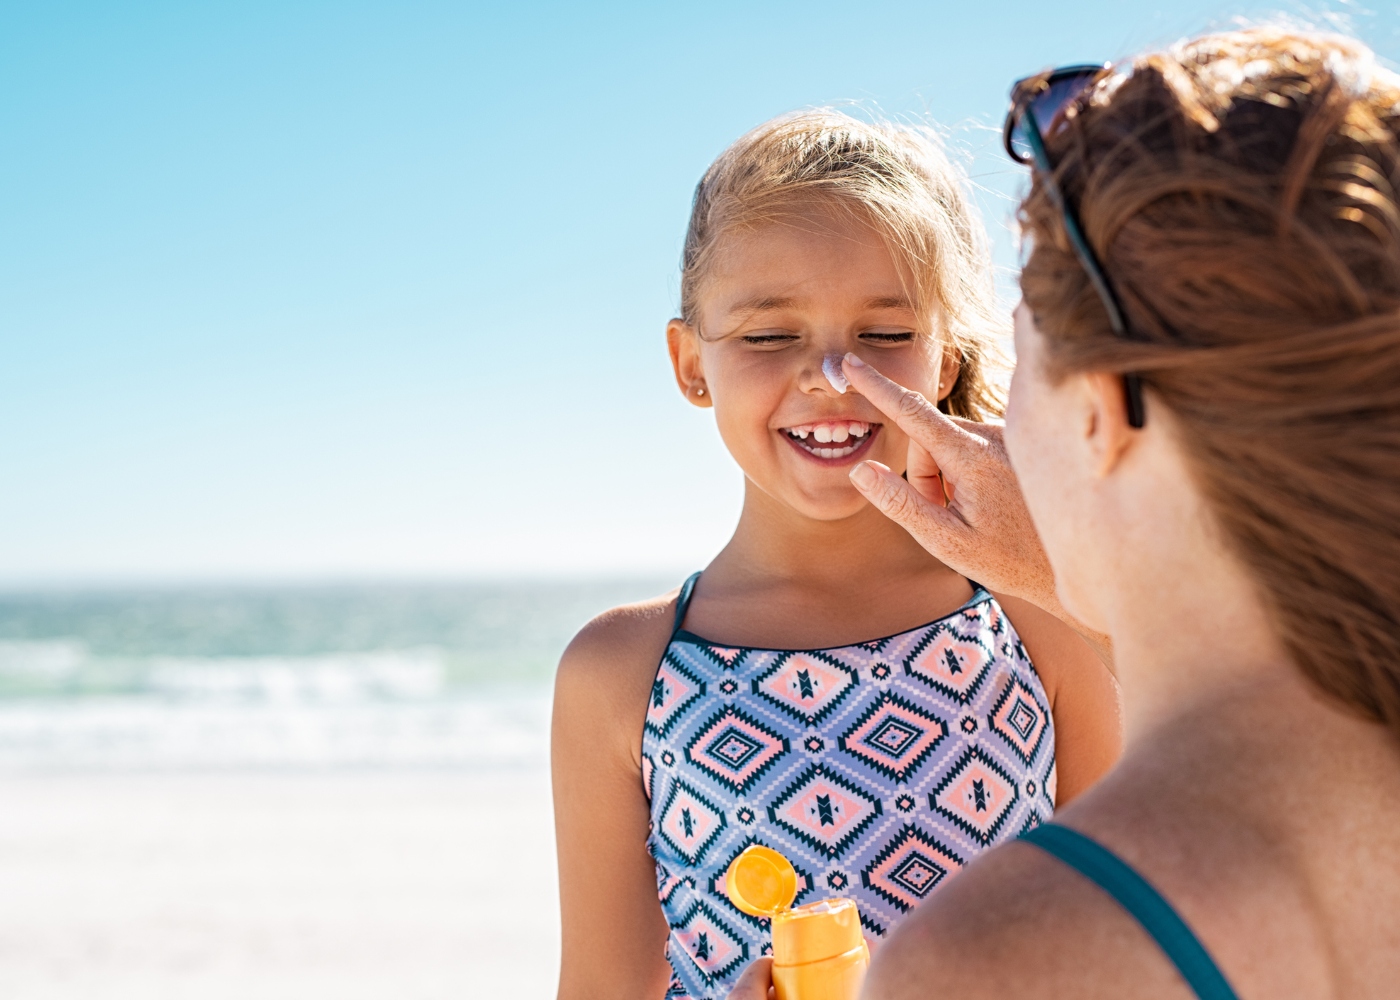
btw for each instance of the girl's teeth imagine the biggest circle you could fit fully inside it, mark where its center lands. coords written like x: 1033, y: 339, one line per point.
x: 854, y: 431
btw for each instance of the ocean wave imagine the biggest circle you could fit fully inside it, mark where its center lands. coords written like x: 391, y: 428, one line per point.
x: 487, y: 730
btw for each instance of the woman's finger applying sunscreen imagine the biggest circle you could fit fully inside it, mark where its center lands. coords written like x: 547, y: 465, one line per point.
x: 962, y: 501
x: 943, y: 439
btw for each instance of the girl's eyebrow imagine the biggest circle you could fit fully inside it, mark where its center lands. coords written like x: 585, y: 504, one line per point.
x: 764, y: 303
x: 889, y: 302
x: 768, y: 303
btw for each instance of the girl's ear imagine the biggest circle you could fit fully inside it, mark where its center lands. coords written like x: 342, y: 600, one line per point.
x: 683, y: 345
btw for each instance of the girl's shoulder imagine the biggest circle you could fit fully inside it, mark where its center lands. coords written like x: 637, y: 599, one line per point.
x: 606, y: 672
x: 624, y: 640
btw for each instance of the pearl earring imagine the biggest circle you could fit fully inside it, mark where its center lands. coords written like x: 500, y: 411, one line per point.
x: 699, y: 392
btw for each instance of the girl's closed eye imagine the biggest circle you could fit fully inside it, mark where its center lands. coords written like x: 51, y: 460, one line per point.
x: 781, y: 338
x: 770, y: 338
x: 888, y: 337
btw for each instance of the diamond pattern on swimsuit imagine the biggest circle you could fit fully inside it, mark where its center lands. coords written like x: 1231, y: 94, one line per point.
x: 880, y: 769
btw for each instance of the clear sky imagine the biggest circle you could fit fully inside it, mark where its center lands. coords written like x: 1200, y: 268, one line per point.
x: 320, y: 290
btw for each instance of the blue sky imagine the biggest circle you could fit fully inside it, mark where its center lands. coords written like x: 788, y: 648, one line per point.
x: 349, y: 290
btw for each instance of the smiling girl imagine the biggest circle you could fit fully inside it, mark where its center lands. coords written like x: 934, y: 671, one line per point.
x: 824, y: 687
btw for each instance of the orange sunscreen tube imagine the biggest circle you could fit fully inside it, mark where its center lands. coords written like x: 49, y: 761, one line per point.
x: 819, y: 952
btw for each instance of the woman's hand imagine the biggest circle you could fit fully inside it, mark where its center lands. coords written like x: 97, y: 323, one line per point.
x: 756, y: 983
x: 961, y: 501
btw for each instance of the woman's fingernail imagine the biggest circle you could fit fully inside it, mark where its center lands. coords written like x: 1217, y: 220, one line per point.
x: 854, y: 361
x: 862, y: 474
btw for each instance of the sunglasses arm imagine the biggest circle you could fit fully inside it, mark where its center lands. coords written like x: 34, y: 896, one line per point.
x: 1132, y: 384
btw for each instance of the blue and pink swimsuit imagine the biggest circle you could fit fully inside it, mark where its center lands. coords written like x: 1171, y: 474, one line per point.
x: 879, y: 769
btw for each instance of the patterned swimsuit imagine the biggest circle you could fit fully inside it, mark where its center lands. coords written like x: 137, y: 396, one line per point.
x: 879, y: 769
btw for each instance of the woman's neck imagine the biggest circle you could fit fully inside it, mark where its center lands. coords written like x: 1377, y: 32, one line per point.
x: 1182, y: 641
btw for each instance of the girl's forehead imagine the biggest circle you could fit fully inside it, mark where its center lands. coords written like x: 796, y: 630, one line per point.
x: 799, y: 265
x: 814, y: 229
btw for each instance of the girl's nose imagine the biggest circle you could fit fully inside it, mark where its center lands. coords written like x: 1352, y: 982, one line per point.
x: 831, y: 368
x: 821, y: 373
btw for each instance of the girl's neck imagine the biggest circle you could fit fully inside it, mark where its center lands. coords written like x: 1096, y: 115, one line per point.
x: 773, y: 545
x: 786, y: 581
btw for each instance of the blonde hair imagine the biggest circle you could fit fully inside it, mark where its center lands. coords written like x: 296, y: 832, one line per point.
x: 898, y: 179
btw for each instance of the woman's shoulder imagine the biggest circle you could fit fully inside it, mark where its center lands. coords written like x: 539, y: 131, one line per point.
x: 1016, y: 922
x: 607, y: 670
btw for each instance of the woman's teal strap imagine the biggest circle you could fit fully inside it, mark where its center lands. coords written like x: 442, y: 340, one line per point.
x: 683, y: 602
x: 1110, y: 873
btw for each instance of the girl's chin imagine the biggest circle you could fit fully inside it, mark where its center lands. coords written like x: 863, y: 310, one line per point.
x: 835, y: 505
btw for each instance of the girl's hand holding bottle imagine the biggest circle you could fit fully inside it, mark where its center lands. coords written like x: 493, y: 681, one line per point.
x: 756, y: 983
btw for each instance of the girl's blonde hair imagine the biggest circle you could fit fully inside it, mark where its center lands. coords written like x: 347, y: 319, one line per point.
x: 895, y: 177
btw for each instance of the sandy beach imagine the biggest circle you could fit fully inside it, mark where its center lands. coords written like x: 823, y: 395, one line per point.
x: 294, y: 847
x: 348, y: 884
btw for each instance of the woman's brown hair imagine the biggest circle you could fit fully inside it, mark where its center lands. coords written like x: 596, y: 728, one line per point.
x: 1241, y: 192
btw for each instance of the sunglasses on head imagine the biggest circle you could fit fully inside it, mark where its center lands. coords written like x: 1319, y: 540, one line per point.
x: 1038, y: 105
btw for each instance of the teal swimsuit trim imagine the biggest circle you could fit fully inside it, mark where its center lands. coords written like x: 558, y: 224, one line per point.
x: 683, y: 601
x: 1136, y: 895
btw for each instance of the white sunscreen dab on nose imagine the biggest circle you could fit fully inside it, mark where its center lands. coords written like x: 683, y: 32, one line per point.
x: 831, y: 368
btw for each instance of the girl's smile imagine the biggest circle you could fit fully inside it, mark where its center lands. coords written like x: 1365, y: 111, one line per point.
x: 832, y: 442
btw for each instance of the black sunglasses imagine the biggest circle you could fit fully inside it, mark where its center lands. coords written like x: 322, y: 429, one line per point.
x: 1038, y: 106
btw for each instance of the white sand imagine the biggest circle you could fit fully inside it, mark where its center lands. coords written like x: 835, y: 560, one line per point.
x: 408, y: 883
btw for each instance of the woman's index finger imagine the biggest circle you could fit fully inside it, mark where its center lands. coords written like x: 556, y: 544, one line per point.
x: 915, y: 415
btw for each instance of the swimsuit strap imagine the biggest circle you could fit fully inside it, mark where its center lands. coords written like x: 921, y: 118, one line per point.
x: 1136, y: 895
x: 683, y: 602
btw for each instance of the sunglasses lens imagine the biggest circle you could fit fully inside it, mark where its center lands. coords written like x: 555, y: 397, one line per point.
x: 1017, y: 141
x: 1047, y: 107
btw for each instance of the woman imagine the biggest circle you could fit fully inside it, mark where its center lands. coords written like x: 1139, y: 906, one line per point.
x: 1227, y: 513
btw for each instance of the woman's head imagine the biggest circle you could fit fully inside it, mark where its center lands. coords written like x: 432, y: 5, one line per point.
x: 818, y: 234
x: 1240, y: 190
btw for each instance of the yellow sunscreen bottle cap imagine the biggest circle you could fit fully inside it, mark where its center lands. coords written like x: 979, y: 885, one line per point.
x: 761, y: 882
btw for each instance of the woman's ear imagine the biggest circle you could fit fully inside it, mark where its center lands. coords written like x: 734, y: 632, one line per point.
x: 1107, y: 430
x: 683, y: 345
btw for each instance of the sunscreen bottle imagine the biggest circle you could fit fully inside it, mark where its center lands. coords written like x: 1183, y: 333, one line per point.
x: 819, y: 952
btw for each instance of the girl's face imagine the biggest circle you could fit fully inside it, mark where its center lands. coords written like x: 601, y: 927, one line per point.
x: 781, y: 297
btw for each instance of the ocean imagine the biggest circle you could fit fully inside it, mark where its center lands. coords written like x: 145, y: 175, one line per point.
x: 290, y: 676
x: 288, y: 793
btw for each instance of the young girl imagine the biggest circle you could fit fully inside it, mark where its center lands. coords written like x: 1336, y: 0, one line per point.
x: 824, y: 687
